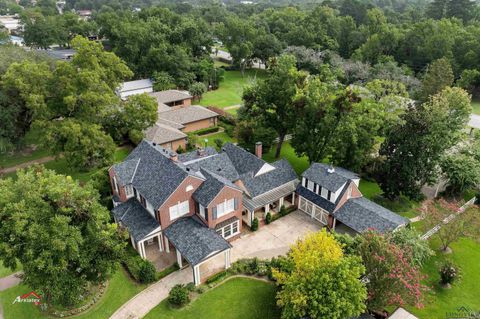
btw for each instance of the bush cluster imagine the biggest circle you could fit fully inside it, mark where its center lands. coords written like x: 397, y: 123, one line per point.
x: 142, y: 270
x: 207, y: 130
x: 254, y: 226
x: 179, y: 295
x: 448, y: 273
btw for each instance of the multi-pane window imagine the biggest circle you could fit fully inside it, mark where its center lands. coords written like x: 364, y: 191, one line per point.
x: 129, y: 190
x: 226, y: 207
x: 229, y: 230
x: 179, y: 210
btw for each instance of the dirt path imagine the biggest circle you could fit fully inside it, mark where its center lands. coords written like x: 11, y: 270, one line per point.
x: 12, y: 169
x: 10, y: 281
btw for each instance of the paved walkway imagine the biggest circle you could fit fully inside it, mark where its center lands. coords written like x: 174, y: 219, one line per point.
x: 269, y: 241
x: 12, y: 169
x: 10, y: 281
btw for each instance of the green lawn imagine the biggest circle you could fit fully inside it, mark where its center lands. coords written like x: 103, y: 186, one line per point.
x: 299, y: 164
x: 4, y: 271
x: 31, y: 138
x: 211, y: 139
x: 476, y: 106
x: 121, y: 288
x: 465, y: 292
x: 231, y: 88
x: 238, y: 298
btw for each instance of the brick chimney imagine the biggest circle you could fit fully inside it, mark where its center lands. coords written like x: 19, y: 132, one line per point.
x: 174, y: 156
x: 258, y: 149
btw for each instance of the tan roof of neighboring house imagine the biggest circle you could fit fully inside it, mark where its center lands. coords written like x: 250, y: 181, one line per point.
x: 170, y: 123
x: 161, y: 133
x: 170, y: 96
x: 188, y: 114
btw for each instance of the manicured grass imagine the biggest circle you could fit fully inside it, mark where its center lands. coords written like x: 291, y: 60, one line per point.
x: 369, y: 189
x: 237, y: 298
x: 211, y: 139
x: 4, y: 271
x: 120, y: 289
x: 231, y: 88
x: 465, y: 292
x: 22, y: 156
x: 299, y: 164
x: 476, y: 106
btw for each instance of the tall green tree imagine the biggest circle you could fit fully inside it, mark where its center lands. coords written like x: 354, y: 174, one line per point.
x: 273, y: 99
x: 414, y: 147
x: 310, y: 287
x: 438, y: 76
x: 461, y: 9
x: 437, y: 9
x: 59, y: 233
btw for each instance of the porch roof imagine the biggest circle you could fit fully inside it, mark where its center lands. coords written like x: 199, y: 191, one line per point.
x: 257, y: 202
x: 136, y: 218
x: 195, y: 241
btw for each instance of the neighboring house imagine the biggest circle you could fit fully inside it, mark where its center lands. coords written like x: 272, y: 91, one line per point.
x: 474, y: 123
x: 129, y: 88
x: 176, y: 116
x: 331, y: 196
x: 60, y: 54
x: 191, y: 205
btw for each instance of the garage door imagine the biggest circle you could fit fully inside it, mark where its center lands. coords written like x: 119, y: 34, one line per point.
x: 313, y: 210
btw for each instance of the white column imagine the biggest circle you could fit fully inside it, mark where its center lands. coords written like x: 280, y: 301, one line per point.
x: 293, y: 198
x: 267, y: 208
x: 227, y: 258
x: 252, y: 216
x: 196, y: 275
x: 141, y: 249
x: 334, y: 223
x: 280, y: 204
x: 167, y: 246
x: 160, y: 246
x: 179, y: 259
x: 133, y: 242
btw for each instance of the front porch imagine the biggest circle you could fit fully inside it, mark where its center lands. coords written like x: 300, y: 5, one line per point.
x: 160, y: 259
x: 271, y: 203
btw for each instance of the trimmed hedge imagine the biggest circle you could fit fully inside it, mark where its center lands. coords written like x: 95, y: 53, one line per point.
x: 142, y: 270
x: 207, y: 130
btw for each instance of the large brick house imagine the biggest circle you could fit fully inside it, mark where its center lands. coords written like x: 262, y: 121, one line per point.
x: 176, y: 117
x: 331, y: 196
x: 194, y: 203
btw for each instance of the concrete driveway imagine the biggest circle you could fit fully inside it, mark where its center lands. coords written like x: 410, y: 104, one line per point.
x: 269, y: 241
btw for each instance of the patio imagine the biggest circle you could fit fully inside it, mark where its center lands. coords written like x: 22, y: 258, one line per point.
x: 160, y: 259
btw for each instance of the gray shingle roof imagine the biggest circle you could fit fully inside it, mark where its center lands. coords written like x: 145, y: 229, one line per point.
x: 260, y: 184
x: 211, y: 187
x: 125, y: 171
x: 156, y: 176
x: 195, y: 155
x: 361, y: 214
x: 160, y: 134
x: 194, y: 240
x: 244, y: 161
x: 219, y: 164
x: 187, y: 114
x: 136, y: 218
x: 318, y: 173
x: 316, y: 199
x: 168, y: 96
x: 135, y: 85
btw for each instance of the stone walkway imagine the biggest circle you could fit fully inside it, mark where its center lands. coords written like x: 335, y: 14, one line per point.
x: 10, y: 281
x: 269, y: 241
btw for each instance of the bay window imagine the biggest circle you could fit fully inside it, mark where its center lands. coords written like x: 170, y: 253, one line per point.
x: 229, y: 230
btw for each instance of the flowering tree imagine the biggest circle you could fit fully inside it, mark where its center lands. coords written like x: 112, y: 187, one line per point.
x: 319, y: 281
x: 391, y: 277
x: 466, y: 223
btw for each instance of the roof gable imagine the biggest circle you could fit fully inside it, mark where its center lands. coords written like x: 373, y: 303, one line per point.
x: 244, y: 161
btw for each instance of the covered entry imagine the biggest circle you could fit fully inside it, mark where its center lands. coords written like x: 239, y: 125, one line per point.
x: 313, y: 210
x: 196, y: 244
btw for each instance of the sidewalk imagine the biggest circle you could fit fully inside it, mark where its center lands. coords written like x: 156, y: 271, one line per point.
x: 10, y: 281
x: 12, y: 169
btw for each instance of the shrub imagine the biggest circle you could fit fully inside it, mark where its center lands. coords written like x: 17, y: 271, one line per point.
x: 167, y: 271
x: 268, y: 218
x: 141, y: 270
x: 190, y: 286
x: 207, y: 130
x: 448, y: 273
x: 217, y: 277
x: 283, y: 211
x: 218, y: 143
x: 179, y: 296
x: 201, y: 290
x: 281, y: 263
x: 180, y: 149
x: 254, y: 224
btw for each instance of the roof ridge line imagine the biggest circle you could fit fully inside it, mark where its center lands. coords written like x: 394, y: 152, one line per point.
x: 135, y: 171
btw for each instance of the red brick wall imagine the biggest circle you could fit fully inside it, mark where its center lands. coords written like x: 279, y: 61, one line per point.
x: 225, y: 194
x: 355, y: 193
x: 121, y: 193
x: 180, y: 195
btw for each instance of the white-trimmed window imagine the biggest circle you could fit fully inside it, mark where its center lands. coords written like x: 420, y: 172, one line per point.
x: 324, y: 193
x: 226, y: 207
x: 229, y: 230
x: 129, y: 190
x: 311, y: 185
x: 203, y: 211
x: 179, y: 210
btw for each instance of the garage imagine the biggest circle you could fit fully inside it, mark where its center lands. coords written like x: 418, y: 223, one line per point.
x: 313, y: 210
